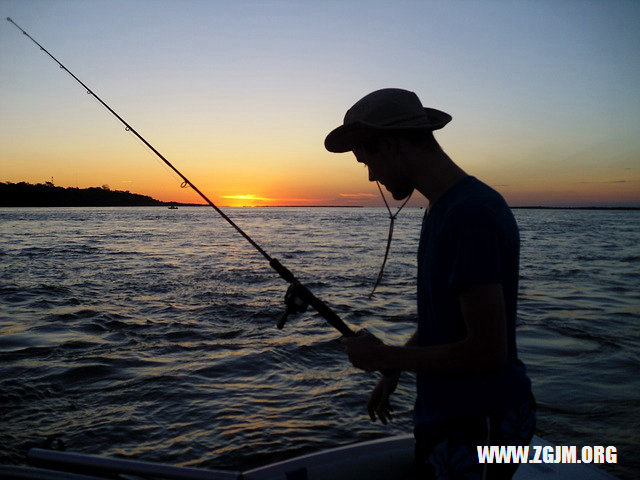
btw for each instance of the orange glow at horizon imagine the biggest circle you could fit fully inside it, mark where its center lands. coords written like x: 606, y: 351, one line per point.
x: 252, y: 200
x: 358, y: 195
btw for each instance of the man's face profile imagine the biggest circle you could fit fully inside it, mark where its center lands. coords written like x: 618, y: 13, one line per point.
x: 383, y: 166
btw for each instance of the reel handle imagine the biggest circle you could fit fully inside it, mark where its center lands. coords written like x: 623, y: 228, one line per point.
x: 305, y: 295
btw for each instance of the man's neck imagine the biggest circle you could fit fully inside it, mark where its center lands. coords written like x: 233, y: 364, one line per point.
x: 436, y: 175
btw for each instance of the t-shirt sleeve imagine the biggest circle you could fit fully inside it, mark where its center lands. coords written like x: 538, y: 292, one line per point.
x: 475, y: 247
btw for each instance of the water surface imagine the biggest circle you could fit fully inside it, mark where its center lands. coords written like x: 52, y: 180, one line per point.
x: 150, y: 333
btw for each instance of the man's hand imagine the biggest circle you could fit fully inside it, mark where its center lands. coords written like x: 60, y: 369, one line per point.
x: 364, y: 350
x: 379, y: 400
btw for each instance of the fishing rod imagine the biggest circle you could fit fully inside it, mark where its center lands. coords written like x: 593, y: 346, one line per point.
x: 298, y: 297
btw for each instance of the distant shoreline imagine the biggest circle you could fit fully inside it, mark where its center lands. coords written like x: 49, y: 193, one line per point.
x: 49, y: 195
x: 44, y: 195
x: 177, y: 204
x: 574, y: 208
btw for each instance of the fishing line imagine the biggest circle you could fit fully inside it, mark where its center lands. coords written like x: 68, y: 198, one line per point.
x: 392, y: 219
x: 298, y: 296
x: 139, y: 143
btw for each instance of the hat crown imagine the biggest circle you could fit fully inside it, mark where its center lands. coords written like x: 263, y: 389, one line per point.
x: 386, y: 107
x: 386, y: 110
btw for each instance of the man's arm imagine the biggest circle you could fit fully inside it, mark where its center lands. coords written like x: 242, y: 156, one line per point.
x: 483, y: 350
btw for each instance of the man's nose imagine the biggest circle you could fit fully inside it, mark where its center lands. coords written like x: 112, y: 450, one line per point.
x: 372, y: 177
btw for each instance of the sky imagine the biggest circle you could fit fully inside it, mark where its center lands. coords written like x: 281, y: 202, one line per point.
x: 240, y: 95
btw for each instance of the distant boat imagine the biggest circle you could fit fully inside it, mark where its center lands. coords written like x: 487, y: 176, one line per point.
x: 173, y: 207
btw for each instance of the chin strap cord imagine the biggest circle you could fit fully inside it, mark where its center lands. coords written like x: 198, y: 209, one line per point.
x: 392, y: 219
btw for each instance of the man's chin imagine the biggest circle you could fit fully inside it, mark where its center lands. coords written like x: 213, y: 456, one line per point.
x: 401, y: 194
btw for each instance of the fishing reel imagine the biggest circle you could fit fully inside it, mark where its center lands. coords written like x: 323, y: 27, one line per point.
x: 294, y: 302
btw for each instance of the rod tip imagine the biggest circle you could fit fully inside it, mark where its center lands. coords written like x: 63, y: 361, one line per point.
x: 9, y: 18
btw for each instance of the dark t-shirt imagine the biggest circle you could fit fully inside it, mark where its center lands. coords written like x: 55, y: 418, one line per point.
x: 469, y: 237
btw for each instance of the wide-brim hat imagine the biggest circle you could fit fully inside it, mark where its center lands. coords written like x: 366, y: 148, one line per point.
x: 386, y: 110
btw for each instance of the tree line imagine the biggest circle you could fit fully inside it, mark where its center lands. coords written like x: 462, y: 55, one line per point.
x: 47, y: 194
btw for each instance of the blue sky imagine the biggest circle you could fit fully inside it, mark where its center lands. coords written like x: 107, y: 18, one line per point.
x: 544, y: 94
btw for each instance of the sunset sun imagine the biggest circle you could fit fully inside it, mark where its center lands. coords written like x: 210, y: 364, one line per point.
x: 246, y: 200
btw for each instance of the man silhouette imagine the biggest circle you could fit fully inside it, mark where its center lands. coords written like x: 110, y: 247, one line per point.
x: 471, y: 387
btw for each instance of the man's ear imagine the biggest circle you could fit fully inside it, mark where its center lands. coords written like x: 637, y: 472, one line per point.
x: 389, y: 145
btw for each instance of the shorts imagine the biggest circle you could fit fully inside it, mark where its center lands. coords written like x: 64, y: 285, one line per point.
x: 448, y: 450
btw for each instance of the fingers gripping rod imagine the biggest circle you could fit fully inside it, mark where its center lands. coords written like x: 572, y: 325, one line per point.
x: 297, y: 291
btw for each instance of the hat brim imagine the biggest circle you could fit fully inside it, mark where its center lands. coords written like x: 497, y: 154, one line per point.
x: 347, y: 137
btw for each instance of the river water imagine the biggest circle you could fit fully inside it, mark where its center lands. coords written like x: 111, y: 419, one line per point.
x: 150, y: 333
